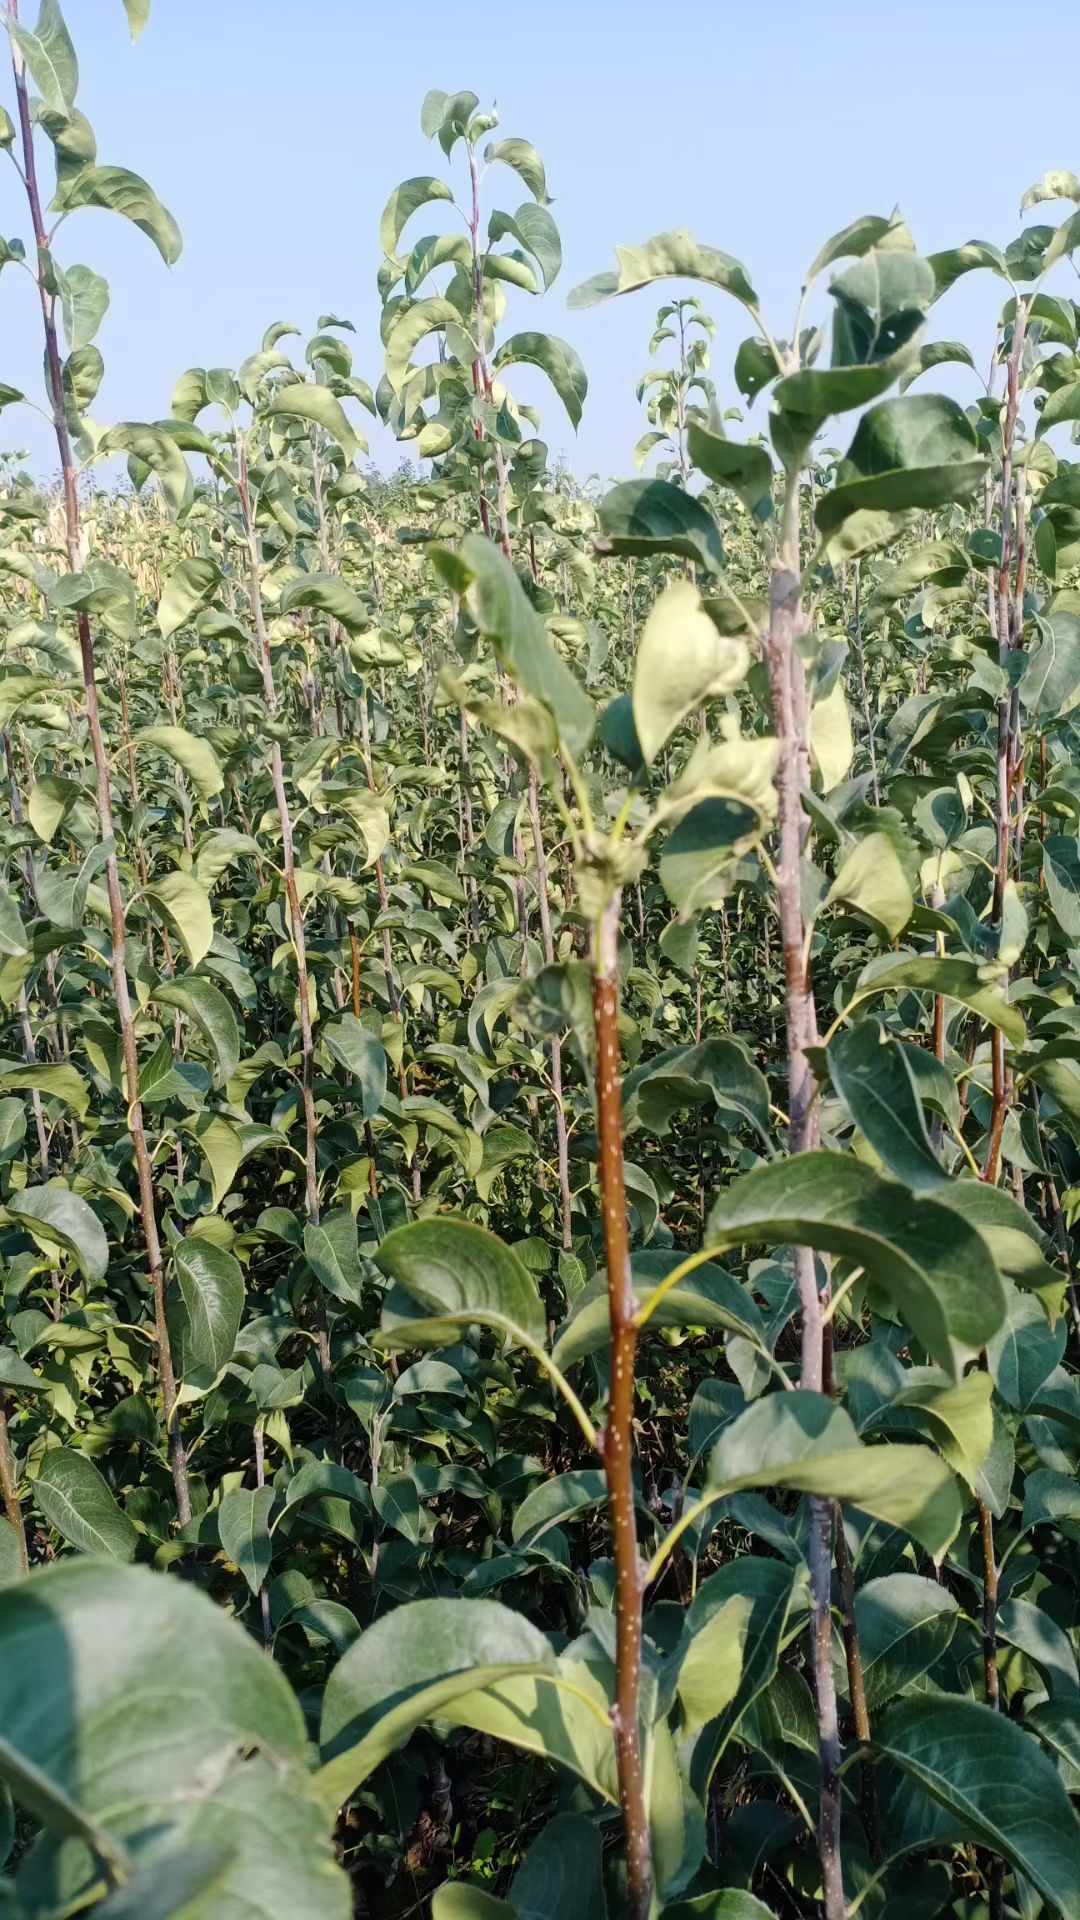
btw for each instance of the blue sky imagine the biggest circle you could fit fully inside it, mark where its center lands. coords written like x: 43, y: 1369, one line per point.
x: 275, y: 130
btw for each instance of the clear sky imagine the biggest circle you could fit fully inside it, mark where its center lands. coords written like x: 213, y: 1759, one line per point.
x: 275, y: 130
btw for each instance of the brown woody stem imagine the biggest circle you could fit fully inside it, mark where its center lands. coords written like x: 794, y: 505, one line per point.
x: 618, y: 1437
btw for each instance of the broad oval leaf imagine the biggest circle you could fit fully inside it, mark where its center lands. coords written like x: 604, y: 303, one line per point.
x: 935, y: 1266
x: 995, y: 1784
x: 244, y: 1531
x: 77, y: 1500
x: 212, y: 1286
x: 455, y: 1270
x: 410, y: 1666
x: 681, y: 661
x: 57, y: 1218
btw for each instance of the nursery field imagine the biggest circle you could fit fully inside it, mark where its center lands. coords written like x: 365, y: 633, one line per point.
x: 539, y: 1080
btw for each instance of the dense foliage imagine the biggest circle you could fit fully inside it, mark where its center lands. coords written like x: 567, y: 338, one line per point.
x: 540, y: 1092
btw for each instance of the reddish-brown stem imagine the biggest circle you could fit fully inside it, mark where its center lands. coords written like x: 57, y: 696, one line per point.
x: 990, y: 1605
x: 618, y: 1435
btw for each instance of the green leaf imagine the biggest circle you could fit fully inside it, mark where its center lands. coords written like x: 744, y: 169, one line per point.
x: 456, y: 1271
x: 397, y: 1504
x: 1051, y: 679
x: 1025, y: 1351
x: 16, y: 1376
x: 1064, y: 241
x: 954, y: 979
x: 1061, y: 407
x: 557, y: 1500
x: 681, y: 662
x: 653, y: 516
x: 805, y: 400
x: 222, y: 1147
x: 179, y: 1884
x: 212, y: 1286
x: 159, y: 452
x: 562, y: 1872
x: 1055, y: 185
x: 409, y: 1667
x: 994, y: 1783
x: 719, y: 1069
x: 773, y: 1591
x: 698, y: 857
x: 361, y: 1053
x: 708, y: 1297
x: 958, y: 1419
x: 931, y: 1262
x: 11, y: 1568
x: 49, y: 56
x: 13, y: 941
x: 728, y: 1905
x: 189, y: 587
x: 667, y: 255
x: 81, y: 376
x: 459, y: 1900
x: 83, y: 304
x: 871, y: 1073
x: 306, y: 400
x: 1010, y: 1233
x: 938, y: 353
x: 57, y: 1218
x: 119, y: 191
x: 328, y: 594
x: 195, y: 756
x: 1027, y: 1626
x: 207, y: 1006
x: 136, y: 1650
x: 1061, y: 871
x: 102, y: 589
x: 954, y: 261
x: 852, y: 241
x: 905, y: 1624
x: 747, y: 470
x: 187, y: 905
x: 77, y: 1500
x: 525, y: 161
x: 832, y: 744
x: 497, y: 603
x: 1049, y: 1498
x: 244, y: 1531
x: 872, y: 880
x: 554, y: 357
x: 332, y: 1253
x: 404, y: 202
x: 138, y: 13
x: 534, y: 228
x: 804, y: 1442
x: 915, y: 452
x: 881, y: 301
x: 419, y: 319
x: 63, y: 1083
